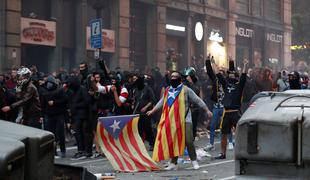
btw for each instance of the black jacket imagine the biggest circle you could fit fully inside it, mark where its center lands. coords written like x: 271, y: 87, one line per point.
x: 79, y: 99
x: 233, y: 92
x: 60, y: 99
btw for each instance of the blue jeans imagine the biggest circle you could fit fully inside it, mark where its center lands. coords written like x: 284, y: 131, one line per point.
x: 217, y: 115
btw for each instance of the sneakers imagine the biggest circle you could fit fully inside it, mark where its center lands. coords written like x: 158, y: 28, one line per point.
x: 60, y: 156
x: 79, y: 156
x: 220, y: 156
x: 230, y: 146
x: 195, y: 165
x: 210, y: 147
x: 171, y: 166
x: 95, y: 155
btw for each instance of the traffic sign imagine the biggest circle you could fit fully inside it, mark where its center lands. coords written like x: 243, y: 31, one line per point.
x: 96, y: 33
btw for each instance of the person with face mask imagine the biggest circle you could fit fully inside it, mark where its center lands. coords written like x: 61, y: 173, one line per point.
x: 83, y: 72
x: 54, y: 102
x: 175, y: 129
x: 143, y: 100
x: 233, y: 89
x: 118, y: 94
x: 79, y: 102
x: 191, y: 81
x: 29, y: 100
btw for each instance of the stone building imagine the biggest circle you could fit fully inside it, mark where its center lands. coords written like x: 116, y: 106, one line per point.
x: 140, y: 34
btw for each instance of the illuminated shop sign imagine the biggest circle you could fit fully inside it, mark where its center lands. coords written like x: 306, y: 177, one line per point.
x: 198, y: 31
x: 175, y: 27
x: 244, y: 32
x: 277, y: 38
x: 38, y: 32
x: 215, y: 36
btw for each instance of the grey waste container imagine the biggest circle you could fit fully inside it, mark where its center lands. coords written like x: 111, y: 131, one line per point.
x: 39, y: 146
x: 272, y: 136
x: 12, y: 155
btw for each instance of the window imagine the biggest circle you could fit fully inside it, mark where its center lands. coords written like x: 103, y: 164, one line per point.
x: 216, y: 3
x: 273, y: 10
x: 243, y: 6
x: 257, y: 7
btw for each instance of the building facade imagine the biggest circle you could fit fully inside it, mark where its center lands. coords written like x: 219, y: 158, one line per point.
x: 142, y: 34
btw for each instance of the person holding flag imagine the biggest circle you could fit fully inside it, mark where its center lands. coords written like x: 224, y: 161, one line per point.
x: 175, y: 126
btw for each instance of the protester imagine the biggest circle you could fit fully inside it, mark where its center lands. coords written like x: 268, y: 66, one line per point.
x: 55, y: 101
x: 143, y: 101
x: 233, y: 89
x: 28, y: 100
x: 177, y: 97
x: 79, y: 107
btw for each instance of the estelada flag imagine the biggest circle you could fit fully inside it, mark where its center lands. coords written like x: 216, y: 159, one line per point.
x: 119, y: 140
x: 170, y: 139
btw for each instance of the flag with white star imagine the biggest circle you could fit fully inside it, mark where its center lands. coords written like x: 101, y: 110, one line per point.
x: 172, y: 94
x: 120, y: 141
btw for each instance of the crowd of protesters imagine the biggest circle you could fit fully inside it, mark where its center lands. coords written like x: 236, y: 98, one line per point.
x: 72, y: 101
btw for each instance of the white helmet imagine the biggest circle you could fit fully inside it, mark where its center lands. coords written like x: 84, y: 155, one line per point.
x: 24, y: 75
x: 23, y: 71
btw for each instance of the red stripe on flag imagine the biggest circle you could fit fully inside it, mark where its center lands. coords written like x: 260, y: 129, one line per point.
x: 126, y: 162
x: 178, y: 123
x: 160, y: 152
x: 105, y: 141
x: 127, y: 150
x: 160, y: 145
x: 136, y: 147
x: 168, y: 133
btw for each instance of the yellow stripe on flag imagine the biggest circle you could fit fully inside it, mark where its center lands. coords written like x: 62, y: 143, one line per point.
x: 103, y: 149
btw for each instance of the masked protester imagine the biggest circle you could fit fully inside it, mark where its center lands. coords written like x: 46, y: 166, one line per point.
x: 233, y: 89
x: 191, y: 81
x: 29, y: 100
x: 83, y: 72
x: 143, y: 101
x: 54, y: 102
x: 176, y: 113
x: 118, y: 94
x: 294, y: 80
x: 79, y: 107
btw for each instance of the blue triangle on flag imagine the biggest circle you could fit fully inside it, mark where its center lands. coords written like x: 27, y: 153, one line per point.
x: 115, y: 124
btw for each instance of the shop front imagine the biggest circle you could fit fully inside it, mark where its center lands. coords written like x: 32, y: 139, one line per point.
x: 274, y: 48
x: 244, y: 39
x: 176, y: 40
x: 38, y: 38
x: 216, y: 44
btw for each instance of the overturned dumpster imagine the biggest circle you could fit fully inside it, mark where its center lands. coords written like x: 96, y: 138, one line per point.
x: 39, y: 149
x: 272, y: 136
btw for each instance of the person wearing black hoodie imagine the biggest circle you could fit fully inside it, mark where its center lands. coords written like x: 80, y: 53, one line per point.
x: 233, y: 89
x: 54, y: 102
x: 143, y: 101
x: 79, y: 101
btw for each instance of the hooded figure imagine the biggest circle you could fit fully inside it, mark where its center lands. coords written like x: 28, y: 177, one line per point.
x: 294, y: 80
x: 51, y: 83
